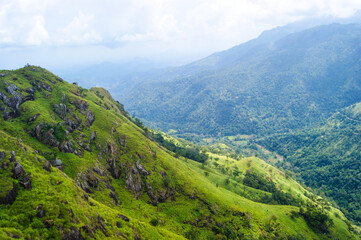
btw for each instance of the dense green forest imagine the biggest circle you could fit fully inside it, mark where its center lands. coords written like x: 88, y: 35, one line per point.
x: 327, y: 158
x: 277, y: 86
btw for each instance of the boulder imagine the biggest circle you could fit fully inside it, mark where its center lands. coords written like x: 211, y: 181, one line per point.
x: 30, y: 90
x: 18, y: 170
x: 57, y: 162
x: 10, y: 196
x: 47, y: 166
x: 25, y: 182
x: 67, y: 147
x: 33, y: 118
x: 90, y: 118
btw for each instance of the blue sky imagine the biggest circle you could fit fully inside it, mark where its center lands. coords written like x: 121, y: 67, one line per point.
x: 54, y: 33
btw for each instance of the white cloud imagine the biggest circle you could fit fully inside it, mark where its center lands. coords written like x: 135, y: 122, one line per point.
x: 78, y: 31
x: 154, y: 26
x: 37, y: 34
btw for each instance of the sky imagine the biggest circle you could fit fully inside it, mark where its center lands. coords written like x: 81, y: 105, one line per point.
x: 61, y: 33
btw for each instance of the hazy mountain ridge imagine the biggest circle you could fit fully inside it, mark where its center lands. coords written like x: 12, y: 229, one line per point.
x: 303, y: 76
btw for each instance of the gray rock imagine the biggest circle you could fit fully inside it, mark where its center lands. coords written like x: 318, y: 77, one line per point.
x: 141, y: 168
x: 153, y: 198
x: 18, y: 171
x: 33, y: 118
x: 10, y: 197
x: 11, y: 89
x: 2, y: 155
x: 25, y: 182
x: 93, y: 136
x: 47, y: 165
x: 57, y: 163
x: 90, y: 118
x: 30, y: 90
x: 134, y: 181
x: 67, y: 147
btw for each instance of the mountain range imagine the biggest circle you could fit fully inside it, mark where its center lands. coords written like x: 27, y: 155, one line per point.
x: 75, y: 165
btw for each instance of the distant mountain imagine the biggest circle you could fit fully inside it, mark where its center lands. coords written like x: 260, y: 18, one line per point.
x: 119, y: 78
x: 278, y: 82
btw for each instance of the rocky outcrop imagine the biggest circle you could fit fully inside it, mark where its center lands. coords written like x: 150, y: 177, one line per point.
x: 90, y: 117
x: 153, y: 198
x: 18, y: 171
x: 67, y: 147
x: 10, y: 196
x: 33, y: 118
x: 2, y: 155
x: 45, y: 135
x: 141, y: 168
x: 80, y: 105
x: 134, y: 181
x: 61, y: 110
x: 25, y: 182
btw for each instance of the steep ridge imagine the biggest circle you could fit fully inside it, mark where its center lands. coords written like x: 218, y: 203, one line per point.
x: 276, y: 86
x: 73, y: 165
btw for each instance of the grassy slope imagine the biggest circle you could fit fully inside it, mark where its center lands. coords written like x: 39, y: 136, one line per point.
x: 197, y: 209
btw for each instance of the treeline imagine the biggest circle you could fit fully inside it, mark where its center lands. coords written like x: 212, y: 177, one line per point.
x: 327, y: 159
x: 190, y: 152
x: 258, y: 181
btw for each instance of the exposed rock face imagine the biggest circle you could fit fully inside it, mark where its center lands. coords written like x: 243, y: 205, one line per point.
x: 134, y: 181
x: 67, y: 147
x: 45, y: 136
x: 90, y: 118
x: 80, y: 104
x: 141, y: 168
x: 25, y: 182
x: 18, y: 171
x: 30, y: 90
x: 2, y: 155
x: 10, y: 196
x: 12, y: 89
x: 61, y: 109
x: 153, y: 198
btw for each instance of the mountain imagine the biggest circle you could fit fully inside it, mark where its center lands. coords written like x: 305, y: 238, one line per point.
x: 119, y: 78
x: 257, y: 87
x: 327, y: 158
x: 74, y: 165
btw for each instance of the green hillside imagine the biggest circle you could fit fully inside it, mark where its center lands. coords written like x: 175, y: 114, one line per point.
x: 327, y: 157
x: 74, y: 165
x: 260, y: 87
